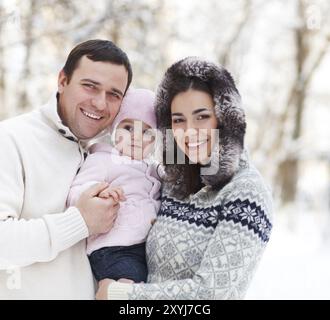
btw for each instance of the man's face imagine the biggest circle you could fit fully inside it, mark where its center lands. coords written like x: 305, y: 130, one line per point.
x: 89, y: 102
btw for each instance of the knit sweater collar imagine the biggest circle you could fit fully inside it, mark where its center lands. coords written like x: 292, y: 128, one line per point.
x: 50, y: 111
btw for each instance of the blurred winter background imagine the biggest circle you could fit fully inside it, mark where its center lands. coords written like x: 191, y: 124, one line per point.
x: 278, y: 52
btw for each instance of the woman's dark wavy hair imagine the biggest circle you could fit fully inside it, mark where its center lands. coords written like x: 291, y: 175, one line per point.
x: 198, y: 74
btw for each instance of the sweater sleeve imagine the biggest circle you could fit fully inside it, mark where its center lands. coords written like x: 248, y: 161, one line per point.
x: 24, y: 242
x: 94, y: 170
x: 230, y: 259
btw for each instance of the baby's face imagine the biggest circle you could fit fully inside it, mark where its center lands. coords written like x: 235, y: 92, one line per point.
x: 134, y: 139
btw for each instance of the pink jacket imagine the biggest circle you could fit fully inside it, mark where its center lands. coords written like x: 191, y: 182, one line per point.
x: 139, y: 181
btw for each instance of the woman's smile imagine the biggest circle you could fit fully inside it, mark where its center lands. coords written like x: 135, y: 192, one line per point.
x: 195, y: 145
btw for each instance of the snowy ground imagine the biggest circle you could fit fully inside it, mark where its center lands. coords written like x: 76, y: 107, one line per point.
x: 296, y: 263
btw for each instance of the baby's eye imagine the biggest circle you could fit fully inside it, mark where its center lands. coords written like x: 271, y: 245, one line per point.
x: 129, y: 128
x: 148, y: 132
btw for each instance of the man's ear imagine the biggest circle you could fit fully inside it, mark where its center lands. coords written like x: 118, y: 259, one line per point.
x: 62, y: 81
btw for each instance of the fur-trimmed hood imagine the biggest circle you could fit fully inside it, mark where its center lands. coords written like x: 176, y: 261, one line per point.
x: 228, y: 110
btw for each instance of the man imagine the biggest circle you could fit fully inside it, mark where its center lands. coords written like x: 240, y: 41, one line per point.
x: 41, y: 152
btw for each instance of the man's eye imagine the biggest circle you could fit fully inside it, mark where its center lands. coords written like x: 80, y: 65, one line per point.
x: 89, y: 85
x: 115, y: 95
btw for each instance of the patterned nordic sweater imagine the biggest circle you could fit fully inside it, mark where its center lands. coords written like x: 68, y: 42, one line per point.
x: 208, y: 246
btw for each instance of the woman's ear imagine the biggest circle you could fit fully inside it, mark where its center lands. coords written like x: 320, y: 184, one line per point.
x: 62, y: 81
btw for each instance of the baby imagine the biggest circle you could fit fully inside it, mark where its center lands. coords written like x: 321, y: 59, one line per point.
x: 120, y: 253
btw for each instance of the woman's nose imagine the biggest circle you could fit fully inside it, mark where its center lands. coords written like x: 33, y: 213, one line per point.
x: 190, y: 132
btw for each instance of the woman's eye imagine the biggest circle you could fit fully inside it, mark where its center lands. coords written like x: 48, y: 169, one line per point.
x: 177, y: 120
x: 203, y: 116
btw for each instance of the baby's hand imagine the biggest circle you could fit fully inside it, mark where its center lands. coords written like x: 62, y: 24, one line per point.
x: 116, y: 193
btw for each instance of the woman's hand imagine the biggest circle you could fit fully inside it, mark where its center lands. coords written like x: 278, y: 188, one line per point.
x: 102, y: 292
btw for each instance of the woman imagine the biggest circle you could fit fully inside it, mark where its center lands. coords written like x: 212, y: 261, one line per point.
x: 215, y: 217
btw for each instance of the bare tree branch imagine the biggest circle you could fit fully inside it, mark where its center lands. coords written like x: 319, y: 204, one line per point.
x: 301, y: 83
x: 224, y: 58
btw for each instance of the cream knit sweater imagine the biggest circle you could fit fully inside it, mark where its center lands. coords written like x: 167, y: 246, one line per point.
x: 42, y: 245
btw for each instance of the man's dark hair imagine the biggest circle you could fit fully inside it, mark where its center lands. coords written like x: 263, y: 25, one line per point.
x: 97, y: 50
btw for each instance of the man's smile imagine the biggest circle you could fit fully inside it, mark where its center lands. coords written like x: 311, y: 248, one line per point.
x: 91, y: 115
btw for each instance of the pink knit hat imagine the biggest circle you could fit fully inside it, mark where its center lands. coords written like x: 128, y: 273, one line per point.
x: 137, y: 104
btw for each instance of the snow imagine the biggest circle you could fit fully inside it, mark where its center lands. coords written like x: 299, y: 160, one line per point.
x: 296, y: 263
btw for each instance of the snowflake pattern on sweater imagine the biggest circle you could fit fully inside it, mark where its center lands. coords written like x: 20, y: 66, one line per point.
x: 238, y: 211
x: 208, y: 246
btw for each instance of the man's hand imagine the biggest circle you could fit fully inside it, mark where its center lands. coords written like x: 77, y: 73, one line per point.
x: 99, y: 214
x: 116, y: 193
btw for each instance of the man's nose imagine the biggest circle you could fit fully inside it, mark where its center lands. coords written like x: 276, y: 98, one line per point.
x: 100, y: 101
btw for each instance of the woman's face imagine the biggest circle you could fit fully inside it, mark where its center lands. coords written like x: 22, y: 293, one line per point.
x: 194, y: 124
